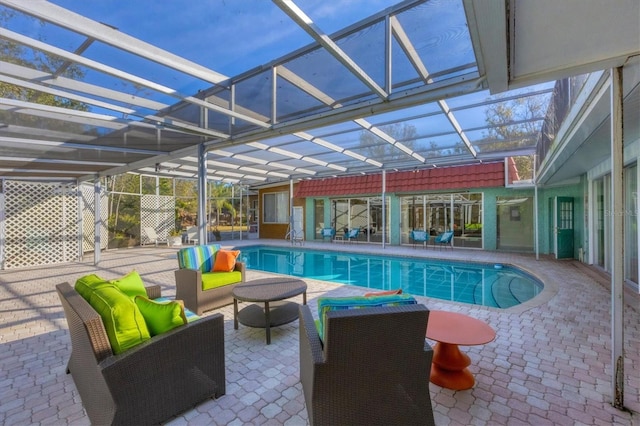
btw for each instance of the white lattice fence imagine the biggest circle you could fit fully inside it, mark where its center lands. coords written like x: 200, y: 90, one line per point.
x: 157, y: 212
x: 39, y: 223
x: 87, y: 192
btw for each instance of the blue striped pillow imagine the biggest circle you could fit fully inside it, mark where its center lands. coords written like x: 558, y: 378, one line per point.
x: 198, y: 257
x: 326, y: 304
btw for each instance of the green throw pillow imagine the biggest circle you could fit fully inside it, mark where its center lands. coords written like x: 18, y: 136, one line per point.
x: 131, y: 285
x: 161, y: 316
x: 123, y: 322
x: 87, y: 284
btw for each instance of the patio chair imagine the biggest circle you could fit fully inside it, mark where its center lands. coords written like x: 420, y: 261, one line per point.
x: 151, y: 382
x: 192, y: 235
x: 352, y: 234
x: 328, y: 233
x: 443, y: 239
x: 372, y: 369
x: 152, y: 236
x: 419, y: 237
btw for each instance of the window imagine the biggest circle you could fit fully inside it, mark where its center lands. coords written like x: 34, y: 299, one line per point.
x: 276, y: 207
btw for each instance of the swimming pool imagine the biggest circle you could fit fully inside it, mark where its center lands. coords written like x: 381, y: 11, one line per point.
x: 476, y: 283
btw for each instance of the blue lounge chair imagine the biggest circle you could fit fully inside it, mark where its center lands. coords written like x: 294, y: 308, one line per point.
x: 419, y: 237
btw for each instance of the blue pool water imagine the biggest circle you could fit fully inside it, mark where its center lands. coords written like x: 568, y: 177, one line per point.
x: 499, y: 286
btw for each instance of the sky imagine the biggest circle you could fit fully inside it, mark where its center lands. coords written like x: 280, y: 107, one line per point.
x: 227, y: 36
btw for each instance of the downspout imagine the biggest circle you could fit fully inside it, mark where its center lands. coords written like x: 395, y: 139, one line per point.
x: 536, y: 225
x: 617, y: 240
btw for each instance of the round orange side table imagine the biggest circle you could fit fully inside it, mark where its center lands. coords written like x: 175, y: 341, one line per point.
x: 450, y: 329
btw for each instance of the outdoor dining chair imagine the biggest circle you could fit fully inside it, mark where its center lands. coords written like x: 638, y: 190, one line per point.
x: 352, y: 234
x: 443, y: 239
x: 419, y: 237
x: 328, y: 233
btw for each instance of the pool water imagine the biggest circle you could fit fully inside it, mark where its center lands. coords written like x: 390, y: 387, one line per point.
x: 499, y: 286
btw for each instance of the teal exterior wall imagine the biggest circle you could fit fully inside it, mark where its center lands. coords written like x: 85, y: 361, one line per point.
x: 309, y: 220
x: 578, y: 193
x: 489, y: 219
x: 490, y: 224
x: 394, y: 220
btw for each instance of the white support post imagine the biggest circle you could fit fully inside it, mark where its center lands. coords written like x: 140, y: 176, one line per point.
x: 3, y: 232
x: 80, y: 227
x: 617, y: 241
x: 202, y: 195
x: 591, y: 219
x: 384, y: 208
x: 97, y: 220
x: 240, y: 210
x: 291, y: 230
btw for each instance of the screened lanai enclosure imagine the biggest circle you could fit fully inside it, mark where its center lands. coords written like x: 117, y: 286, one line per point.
x: 398, y: 89
x: 233, y: 98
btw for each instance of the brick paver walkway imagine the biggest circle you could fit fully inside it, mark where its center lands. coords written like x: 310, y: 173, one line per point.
x: 550, y: 363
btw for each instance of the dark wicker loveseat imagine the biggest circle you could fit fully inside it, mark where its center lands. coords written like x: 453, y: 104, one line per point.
x: 373, y: 368
x: 148, y: 383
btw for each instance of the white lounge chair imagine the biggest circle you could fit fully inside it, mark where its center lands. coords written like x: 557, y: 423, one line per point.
x: 192, y: 235
x: 152, y: 236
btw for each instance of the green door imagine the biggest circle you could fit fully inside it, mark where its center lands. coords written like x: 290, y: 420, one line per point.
x: 564, y: 227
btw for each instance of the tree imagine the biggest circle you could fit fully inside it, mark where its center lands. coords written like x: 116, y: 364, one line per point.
x: 219, y: 196
x: 514, y: 124
x: 374, y: 147
x: 123, y: 207
x: 186, y: 202
x: 17, y: 54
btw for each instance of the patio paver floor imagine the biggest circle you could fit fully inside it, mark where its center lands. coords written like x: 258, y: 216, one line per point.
x: 549, y: 364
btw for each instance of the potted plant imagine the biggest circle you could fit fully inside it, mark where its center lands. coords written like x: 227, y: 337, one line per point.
x: 175, y: 238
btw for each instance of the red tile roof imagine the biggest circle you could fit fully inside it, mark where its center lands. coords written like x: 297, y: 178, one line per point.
x: 486, y: 175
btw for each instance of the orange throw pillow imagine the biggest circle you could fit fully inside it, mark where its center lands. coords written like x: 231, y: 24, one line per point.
x: 225, y: 260
x: 384, y: 293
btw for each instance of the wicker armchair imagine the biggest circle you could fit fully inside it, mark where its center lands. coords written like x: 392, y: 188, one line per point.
x: 373, y: 368
x: 151, y: 382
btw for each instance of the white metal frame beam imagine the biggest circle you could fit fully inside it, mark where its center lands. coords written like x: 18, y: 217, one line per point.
x: 306, y: 23
x: 410, y: 51
x: 71, y: 145
x: 31, y: 74
x: 313, y: 91
x: 98, y: 66
x: 64, y: 18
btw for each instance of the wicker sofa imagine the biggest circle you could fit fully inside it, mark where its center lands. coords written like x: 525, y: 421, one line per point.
x: 148, y: 383
x: 372, y: 369
x: 195, y: 263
